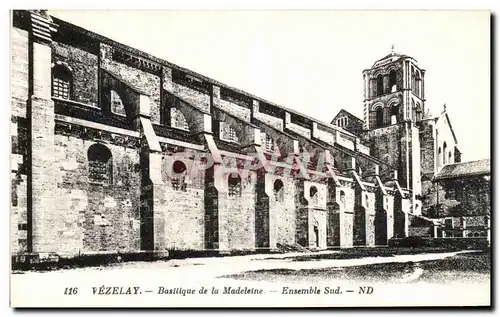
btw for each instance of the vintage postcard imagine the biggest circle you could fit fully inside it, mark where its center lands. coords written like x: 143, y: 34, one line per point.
x: 285, y: 158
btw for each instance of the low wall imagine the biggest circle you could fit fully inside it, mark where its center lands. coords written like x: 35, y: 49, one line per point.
x: 456, y: 243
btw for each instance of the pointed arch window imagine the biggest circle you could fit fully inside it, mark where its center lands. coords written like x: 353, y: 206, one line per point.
x: 439, y: 163
x: 61, y: 81
x: 100, y: 164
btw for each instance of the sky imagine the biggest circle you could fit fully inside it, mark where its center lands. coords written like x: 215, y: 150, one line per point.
x: 312, y: 60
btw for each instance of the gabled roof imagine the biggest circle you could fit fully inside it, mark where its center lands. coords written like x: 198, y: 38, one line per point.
x: 347, y: 112
x: 465, y: 169
x: 449, y: 123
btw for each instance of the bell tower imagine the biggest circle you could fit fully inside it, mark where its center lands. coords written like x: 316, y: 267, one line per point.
x: 393, y: 91
x: 393, y: 106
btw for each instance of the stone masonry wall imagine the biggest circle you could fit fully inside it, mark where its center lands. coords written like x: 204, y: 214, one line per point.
x: 237, y: 213
x: 148, y: 82
x: 370, y: 218
x: 19, y: 204
x: 19, y: 71
x: 305, y: 132
x: 427, y: 149
x: 385, y: 144
x: 84, y: 66
x: 236, y: 110
x: 317, y: 213
x: 184, y: 212
x: 93, y: 217
x: 284, y: 212
x: 195, y: 98
x: 346, y: 199
x: 325, y: 136
x: 274, y: 122
x: 18, y: 222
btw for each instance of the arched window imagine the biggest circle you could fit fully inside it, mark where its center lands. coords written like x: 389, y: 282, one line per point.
x: 476, y: 234
x: 380, y: 117
x: 279, y: 193
x: 100, y: 164
x: 367, y: 201
x: 444, y: 153
x: 178, y: 179
x: 380, y: 85
x: 178, y: 120
x: 313, y: 194
x: 61, y: 82
x: 392, y: 81
x: 469, y: 235
x: 342, y: 199
x: 267, y: 142
x: 116, y: 103
x: 418, y: 112
x: 450, y: 160
x: 414, y: 110
x: 234, y: 185
x: 228, y: 133
x: 394, y: 113
x: 374, y: 92
x: 439, y: 157
x: 342, y: 122
x: 417, y: 84
x: 413, y: 79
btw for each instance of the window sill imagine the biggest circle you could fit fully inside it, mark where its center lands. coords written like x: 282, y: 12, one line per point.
x: 179, y: 128
x: 119, y: 114
x: 76, y: 103
x: 231, y: 141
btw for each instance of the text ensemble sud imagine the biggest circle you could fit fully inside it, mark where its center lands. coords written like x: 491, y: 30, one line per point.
x: 229, y: 290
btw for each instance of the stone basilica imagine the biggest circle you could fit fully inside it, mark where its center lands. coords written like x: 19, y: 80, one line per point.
x: 115, y: 150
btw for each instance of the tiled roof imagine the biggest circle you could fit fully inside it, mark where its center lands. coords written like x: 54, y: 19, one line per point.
x: 465, y: 169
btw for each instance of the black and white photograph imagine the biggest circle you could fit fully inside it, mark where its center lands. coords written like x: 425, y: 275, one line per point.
x: 250, y: 158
